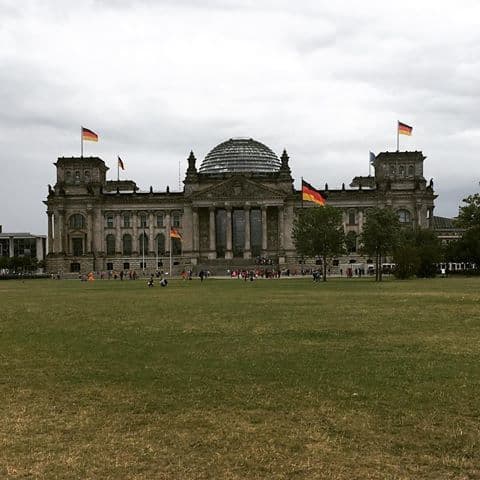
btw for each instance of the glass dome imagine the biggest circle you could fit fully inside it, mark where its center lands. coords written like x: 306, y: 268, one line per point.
x: 240, y: 155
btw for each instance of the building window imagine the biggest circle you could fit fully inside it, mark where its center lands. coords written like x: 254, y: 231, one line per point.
x: 68, y: 176
x: 77, y: 247
x: 160, y: 219
x: 110, y: 221
x: 24, y: 247
x: 110, y: 240
x: 109, y: 265
x: 143, y: 221
x: 161, y: 244
x: 86, y: 174
x: 143, y: 243
x: 127, y: 244
x: 77, y: 177
x: 411, y: 171
x: 404, y: 216
x: 126, y: 266
x: 143, y: 265
x: 351, y: 217
x: 75, y: 267
x: 176, y: 219
x: 4, y: 247
x: 77, y: 221
x: 401, y: 170
x: 176, y: 246
x: 126, y: 220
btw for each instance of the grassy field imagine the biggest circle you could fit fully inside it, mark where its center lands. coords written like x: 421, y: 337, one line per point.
x: 279, y: 379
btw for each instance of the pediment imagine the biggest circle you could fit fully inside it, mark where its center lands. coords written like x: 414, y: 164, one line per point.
x: 238, y: 188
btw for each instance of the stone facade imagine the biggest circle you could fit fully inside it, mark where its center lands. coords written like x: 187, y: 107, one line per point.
x: 227, y: 218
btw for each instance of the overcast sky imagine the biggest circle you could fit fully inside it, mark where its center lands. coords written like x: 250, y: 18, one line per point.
x: 155, y: 79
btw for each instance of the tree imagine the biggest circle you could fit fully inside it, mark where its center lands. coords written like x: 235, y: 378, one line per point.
x: 417, y: 253
x: 318, y: 232
x: 380, y: 235
x: 469, y: 214
x: 467, y: 249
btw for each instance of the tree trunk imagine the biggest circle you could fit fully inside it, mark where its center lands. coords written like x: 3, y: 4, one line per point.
x: 380, y: 266
x: 324, y: 269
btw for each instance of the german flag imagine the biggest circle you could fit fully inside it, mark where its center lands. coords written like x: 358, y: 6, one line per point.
x: 121, y: 164
x: 174, y: 233
x: 87, y: 134
x: 310, y: 194
x: 404, y: 129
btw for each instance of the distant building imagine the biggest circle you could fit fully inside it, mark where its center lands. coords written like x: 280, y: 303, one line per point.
x: 236, y: 210
x: 446, y: 229
x: 22, y: 245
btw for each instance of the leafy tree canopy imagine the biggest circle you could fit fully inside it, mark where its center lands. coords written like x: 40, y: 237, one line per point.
x: 318, y: 232
x: 469, y: 214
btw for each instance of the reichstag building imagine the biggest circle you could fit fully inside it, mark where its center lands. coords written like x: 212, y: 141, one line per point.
x: 236, y: 210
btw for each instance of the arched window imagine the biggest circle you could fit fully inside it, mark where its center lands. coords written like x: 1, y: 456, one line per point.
x: 77, y: 221
x: 110, y: 241
x: 86, y: 175
x: 143, y: 243
x: 411, y: 171
x: 77, y: 177
x: 161, y: 244
x: 404, y: 216
x: 176, y: 246
x: 126, y: 220
x: 127, y: 244
x: 401, y: 170
x: 351, y: 217
x: 68, y: 176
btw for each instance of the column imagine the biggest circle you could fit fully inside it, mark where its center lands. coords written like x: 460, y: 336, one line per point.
x: 264, y: 229
x: 50, y: 232
x: 11, y: 248
x: 151, y: 247
x: 229, y: 252
x: 98, y: 232
x: 39, y: 246
x: 281, y: 228
x: 211, y: 235
x: 135, y: 233
x: 246, y: 249
x: 56, y: 233
x: 360, y: 220
x: 118, y: 233
x: 195, y: 232
x: 61, y: 230
x: 88, y: 246
x: 168, y: 226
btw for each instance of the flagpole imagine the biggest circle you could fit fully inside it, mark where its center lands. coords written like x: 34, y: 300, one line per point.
x: 118, y: 170
x: 81, y: 141
x: 143, y: 252
x: 301, y: 191
x: 170, y: 256
x: 398, y: 138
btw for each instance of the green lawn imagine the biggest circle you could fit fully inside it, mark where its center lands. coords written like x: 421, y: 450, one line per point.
x: 277, y: 379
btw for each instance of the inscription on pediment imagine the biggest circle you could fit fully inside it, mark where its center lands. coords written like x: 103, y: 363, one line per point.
x: 238, y: 189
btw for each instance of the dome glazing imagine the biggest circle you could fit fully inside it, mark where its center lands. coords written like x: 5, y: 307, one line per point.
x: 240, y: 155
